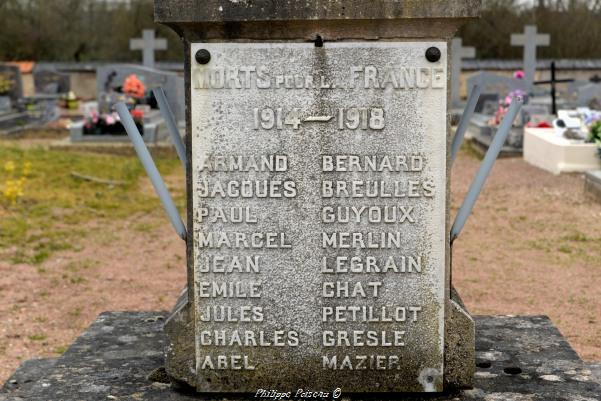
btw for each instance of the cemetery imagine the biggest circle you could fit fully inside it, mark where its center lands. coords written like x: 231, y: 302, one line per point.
x: 300, y: 200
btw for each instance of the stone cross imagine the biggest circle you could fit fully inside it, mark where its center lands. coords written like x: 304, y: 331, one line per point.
x: 530, y: 40
x: 458, y: 53
x: 148, y: 44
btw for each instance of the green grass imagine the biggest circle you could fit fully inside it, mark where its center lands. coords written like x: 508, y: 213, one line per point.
x: 469, y: 151
x: 75, y: 312
x: 61, y: 349
x: 144, y: 227
x: 38, y: 337
x: 576, y: 236
x: 52, y: 214
x: 574, y: 245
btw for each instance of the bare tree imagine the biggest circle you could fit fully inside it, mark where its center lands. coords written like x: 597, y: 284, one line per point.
x: 574, y: 26
x: 77, y: 30
x: 86, y: 30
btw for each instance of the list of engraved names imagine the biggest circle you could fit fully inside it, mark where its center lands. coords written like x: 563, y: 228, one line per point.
x: 318, y: 195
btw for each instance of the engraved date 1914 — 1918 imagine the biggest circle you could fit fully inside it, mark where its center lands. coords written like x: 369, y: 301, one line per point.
x: 353, y: 118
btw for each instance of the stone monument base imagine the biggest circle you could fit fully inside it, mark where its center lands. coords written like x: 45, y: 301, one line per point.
x: 120, y: 357
x: 592, y: 184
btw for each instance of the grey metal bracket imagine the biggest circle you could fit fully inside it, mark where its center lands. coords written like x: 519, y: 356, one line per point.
x: 167, y: 114
x: 489, y: 160
x: 467, y: 115
x: 151, y: 169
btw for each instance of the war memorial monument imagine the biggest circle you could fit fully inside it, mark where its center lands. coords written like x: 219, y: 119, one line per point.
x: 319, y: 232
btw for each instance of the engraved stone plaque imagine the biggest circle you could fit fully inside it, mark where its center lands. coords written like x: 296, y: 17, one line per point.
x: 319, y: 204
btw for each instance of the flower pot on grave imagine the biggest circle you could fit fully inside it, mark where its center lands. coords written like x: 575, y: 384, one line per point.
x: 72, y: 104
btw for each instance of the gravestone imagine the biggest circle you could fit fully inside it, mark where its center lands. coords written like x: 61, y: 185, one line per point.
x: 111, y: 77
x: 148, y: 44
x: 496, y: 85
x: 592, y: 183
x: 13, y: 115
x: 109, y: 83
x: 589, y: 94
x: 530, y: 40
x: 459, y: 52
x: 11, y: 84
x: 5, y: 104
x: 318, y: 238
x: 51, y: 82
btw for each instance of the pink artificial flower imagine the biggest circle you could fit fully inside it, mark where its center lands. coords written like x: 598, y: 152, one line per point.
x: 109, y: 119
x: 519, y: 74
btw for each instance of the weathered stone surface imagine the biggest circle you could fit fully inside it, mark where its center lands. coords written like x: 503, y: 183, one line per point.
x: 181, y: 348
x: 368, y: 259
x: 28, y: 374
x: 459, y: 364
x: 192, y: 11
x: 592, y: 184
x: 112, y: 359
x: 300, y: 19
x: 595, y: 368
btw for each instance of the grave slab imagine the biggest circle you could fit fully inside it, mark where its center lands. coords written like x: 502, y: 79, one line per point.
x: 51, y: 82
x: 518, y: 358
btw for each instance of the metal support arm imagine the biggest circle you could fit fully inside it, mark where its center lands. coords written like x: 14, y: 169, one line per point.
x: 487, y: 164
x: 151, y: 169
x: 467, y: 115
x: 167, y: 114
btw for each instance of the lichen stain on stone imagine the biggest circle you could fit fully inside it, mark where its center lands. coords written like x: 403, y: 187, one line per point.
x: 127, y: 339
x: 551, y: 378
x: 93, y: 388
x: 581, y: 378
x: 509, y: 397
x: 492, y: 356
x: 485, y: 375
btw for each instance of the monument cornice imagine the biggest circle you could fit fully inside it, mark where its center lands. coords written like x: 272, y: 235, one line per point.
x: 193, y: 11
x: 206, y: 20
